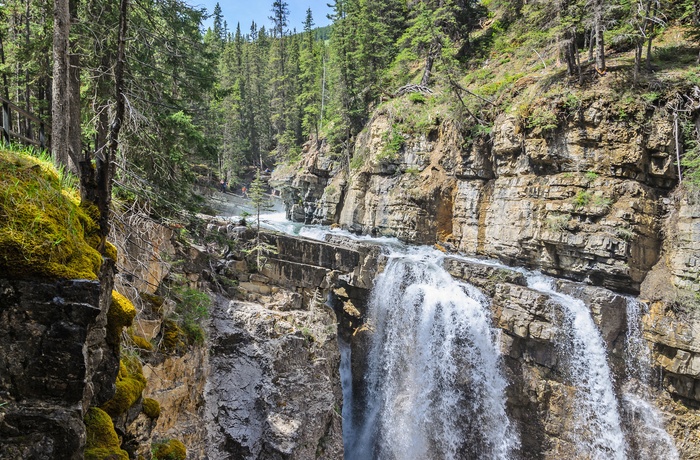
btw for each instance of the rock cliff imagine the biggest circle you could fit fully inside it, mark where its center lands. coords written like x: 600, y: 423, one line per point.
x: 581, y: 199
x: 592, y: 197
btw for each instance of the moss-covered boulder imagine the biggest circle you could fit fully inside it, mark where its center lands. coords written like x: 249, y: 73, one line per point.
x: 44, y: 231
x: 120, y: 315
x: 102, y: 442
x: 151, y: 408
x: 130, y: 384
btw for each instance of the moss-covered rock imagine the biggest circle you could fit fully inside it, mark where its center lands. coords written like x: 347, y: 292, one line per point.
x: 110, y: 251
x: 121, y: 314
x: 141, y: 342
x: 102, y: 442
x: 130, y: 384
x: 43, y: 229
x: 174, y: 339
x: 172, y: 449
x: 155, y: 302
x: 151, y: 408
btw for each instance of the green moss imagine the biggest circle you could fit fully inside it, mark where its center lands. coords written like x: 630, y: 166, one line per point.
x: 151, y: 408
x: 130, y: 384
x: 101, y: 441
x: 110, y: 251
x: 174, y: 339
x: 171, y: 449
x: 121, y: 314
x: 155, y: 301
x: 43, y: 230
x: 141, y: 342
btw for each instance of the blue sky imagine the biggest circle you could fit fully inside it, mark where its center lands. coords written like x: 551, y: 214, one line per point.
x: 246, y: 11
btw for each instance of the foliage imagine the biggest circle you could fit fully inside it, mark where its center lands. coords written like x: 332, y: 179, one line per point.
x: 356, y: 162
x: 691, y: 158
x: 542, y: 118
x: 43, y: 229
x: 191, y: 309
x: 416, y: 98
x: 581, y: 199
x: 557, y: 222
x: 168, y: 449
x: 393, y: 143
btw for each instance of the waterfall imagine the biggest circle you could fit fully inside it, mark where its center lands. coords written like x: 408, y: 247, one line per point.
x: 434, y: 386
x: 598, y: 430
x: 346, y: 385
x: 646, y: 429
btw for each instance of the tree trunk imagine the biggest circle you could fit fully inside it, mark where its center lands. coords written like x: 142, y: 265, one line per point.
x: 106, y: 168
x: 651, y: 37
x: 74, y: 131
x: 599, y: 40
x: 60, y: 104
x: 429, y: 61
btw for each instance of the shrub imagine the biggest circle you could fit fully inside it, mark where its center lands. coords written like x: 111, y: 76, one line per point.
x: 191, y: 308
x: 356, y: 162
x: 602, y: 202
x: 413, y: 170
x: 394, y: 142
x: 170, y: 449
x: 416, y: 98
x: 582, y: 199
x: 557, y: 222
x: 542, y: 118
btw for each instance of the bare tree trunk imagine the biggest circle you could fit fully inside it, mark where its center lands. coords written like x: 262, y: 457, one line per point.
x: 429, y: 61
x: 106, y: 169
x: 599, y: 40
x: 60, y: 105
x: 651, y: 36
x: 74, y: 131
x: 27, y: 91
x: 640, y: 41
x: 6, y: 122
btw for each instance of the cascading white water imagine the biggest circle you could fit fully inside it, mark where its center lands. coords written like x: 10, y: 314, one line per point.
x: 598, y: 427
x: 346, y: 385
x: 434, y: 384
x: 650, y: 439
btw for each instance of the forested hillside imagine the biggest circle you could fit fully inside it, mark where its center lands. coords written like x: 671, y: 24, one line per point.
x: 203, y: 105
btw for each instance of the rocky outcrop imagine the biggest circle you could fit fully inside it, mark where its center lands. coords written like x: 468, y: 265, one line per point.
x: 274, y: 390
x: 51, y: 347
x: 581, y: 200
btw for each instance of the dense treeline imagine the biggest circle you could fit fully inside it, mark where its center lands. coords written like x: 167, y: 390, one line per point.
x: 217, y: 103
x: 166, y: 77
x: 284, y: 87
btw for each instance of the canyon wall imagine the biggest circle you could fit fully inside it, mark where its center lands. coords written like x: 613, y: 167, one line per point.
x: 593, y: 199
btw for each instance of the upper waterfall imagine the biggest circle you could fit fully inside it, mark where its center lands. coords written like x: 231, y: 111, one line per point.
x: 435, y: 388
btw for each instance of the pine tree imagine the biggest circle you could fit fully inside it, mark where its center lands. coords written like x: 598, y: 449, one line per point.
x: 309, y: 98
x: 261, y: 203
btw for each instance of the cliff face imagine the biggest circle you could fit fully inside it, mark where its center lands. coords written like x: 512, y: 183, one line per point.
x: 49, y: 352
x: 590, y: 199
x: 581, y: 200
